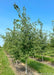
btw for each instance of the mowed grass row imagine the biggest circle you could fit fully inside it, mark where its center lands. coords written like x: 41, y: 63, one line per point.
x: 41, y: 68
x: 4, y: 64
x: 50, y: 59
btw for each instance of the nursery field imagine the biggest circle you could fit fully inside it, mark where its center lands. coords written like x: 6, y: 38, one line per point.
x: 41, y: 68
x: 28, y: 46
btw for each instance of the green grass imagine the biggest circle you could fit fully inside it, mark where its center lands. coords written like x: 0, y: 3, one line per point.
x: 4, y: 64
x: 45, y: 58
x: 41, y: 68
x: 50, y: 59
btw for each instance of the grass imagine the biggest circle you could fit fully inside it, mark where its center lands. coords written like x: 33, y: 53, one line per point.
x: 50, y: 59
x: 4, y: 64
x: 41, y: 68
x: 45, y: 58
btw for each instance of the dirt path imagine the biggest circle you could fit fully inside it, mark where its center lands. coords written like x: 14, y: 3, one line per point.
x: 20, y: 68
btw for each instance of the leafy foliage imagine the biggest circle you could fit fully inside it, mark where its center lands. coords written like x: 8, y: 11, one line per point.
x: 25, y: 38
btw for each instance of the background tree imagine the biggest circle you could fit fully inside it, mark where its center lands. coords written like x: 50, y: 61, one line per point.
x: 52, y: 35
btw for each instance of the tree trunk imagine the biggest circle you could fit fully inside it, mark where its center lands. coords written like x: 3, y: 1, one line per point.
x: 42, y: 58
x: 26, y: 68
x: 16, y: 63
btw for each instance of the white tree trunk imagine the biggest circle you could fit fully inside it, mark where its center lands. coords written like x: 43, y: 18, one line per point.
x: 26, y: 68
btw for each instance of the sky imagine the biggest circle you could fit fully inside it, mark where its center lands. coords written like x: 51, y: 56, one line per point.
x: 42, y: 9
